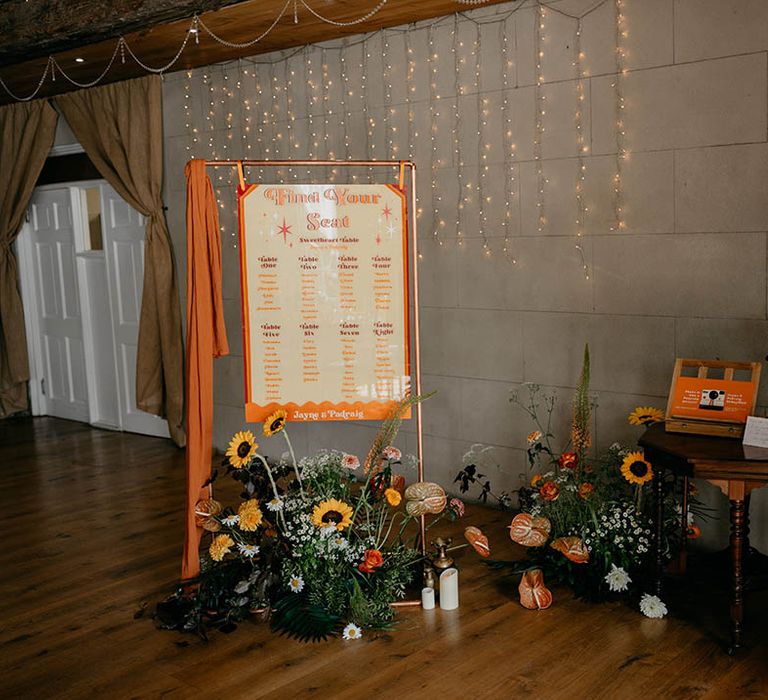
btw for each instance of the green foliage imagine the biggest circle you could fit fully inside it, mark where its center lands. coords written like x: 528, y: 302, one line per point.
x: 296, y: 616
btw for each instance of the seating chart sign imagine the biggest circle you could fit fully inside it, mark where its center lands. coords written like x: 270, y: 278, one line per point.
x: 324, y: 273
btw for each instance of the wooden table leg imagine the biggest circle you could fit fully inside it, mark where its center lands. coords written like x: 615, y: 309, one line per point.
x: 682, y: 557
x: 658, y: 488
x: 738, y: 531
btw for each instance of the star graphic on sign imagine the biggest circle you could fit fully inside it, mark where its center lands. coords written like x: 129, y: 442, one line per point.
x: 386, y: 211
x: 284, y: 231
x: 391, y: 230
x: 378, y: 239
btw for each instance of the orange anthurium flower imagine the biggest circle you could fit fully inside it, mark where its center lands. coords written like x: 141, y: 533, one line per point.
x: 534, y: 595
x: 529, y: 531
x: 572, y: 548
x: 478, y: 540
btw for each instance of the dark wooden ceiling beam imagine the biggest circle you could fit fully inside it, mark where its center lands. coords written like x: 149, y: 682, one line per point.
x: 43, y: 27
x: 157, y: 44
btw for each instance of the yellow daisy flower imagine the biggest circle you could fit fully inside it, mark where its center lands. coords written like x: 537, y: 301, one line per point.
x: 275, y: 423
x: 241, y: 449
x: 332, y: 512
x: 220, y: 547
x: 645, y: 415
x: 250, y: 515
x: 635, y: 469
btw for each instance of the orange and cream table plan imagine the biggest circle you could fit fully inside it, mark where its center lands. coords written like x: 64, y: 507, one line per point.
x: 325, y: 300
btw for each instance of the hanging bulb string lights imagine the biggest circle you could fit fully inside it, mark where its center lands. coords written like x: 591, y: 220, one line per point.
x: 196, y: 26
x: 540, y: 102
x: 456, y: 129
x: 621, y: 150
x: 508, y: 140
x: 481, y: 104
x: 581, y: 147
x: 437, y: 222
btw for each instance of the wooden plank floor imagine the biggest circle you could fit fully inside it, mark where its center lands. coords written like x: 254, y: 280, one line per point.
x: 92, y: 528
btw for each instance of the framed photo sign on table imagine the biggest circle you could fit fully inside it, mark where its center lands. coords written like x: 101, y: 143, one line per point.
x: 325, y: 287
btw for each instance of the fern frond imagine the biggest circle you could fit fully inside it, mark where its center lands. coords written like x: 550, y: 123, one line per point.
x: 390, y: 427
x: 295, y: 616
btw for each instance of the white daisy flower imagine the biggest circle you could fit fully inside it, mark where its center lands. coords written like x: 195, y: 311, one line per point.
x: 296, y: 584
x: 340, y: 542
x: 617, y: 579
x: 651, y: 606
x: 230, y: 520
x: 275, y: 504
x: 352, y: 631
x: 328, y: 530
x: 248, y: 550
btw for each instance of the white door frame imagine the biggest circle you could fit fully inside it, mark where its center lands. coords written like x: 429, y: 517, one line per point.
x: 25, y: 256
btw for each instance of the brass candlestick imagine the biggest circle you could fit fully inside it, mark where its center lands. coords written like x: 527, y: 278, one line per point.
x: 442, y: 560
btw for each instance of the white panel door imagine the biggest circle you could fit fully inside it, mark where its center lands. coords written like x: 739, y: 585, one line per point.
x: 123, y: 230
x: 61, y: 331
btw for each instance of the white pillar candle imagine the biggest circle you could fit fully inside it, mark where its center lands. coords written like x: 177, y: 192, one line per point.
x: 428, y: 598
x: 449, y: 589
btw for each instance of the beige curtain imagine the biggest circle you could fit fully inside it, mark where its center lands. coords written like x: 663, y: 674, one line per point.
x: 26, y: 136
x: 120, y: 126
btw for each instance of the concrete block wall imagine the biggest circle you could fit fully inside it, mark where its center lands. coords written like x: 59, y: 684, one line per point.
x: 687, y: 276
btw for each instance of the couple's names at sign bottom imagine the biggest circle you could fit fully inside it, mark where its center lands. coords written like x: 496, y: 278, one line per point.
x: 325, y: 300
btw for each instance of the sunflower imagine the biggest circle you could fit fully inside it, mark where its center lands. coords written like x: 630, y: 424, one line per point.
x: 275, y: 423
x: 332, y: 512
x: 241, y: 449
x: 635, y: 469
x: 645, y: 415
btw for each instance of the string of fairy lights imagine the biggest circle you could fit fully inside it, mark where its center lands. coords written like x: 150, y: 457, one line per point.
x: 581, y: 147
x: 618, y: 84
x: 340, y: 106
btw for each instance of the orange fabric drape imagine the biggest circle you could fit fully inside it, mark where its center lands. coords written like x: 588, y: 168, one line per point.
x: 206, y: 339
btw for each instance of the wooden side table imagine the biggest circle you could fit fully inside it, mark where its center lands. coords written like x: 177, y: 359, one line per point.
x: 724, y: 463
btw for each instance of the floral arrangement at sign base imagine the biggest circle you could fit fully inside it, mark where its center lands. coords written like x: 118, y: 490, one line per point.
x: 311, y: 546
x: 586, y: 520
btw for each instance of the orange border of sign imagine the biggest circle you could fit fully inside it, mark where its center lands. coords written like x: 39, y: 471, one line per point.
x: 372, y: 410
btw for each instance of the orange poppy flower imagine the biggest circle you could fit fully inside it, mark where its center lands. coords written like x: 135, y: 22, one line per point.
x: 529, y: 531
x: 568, y: 460
x: 534, y: 595
x: 694, y: 531
x: 572, y: 548
x: 478, y: 540
x: 536, y: 479
x: 585, y: 490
